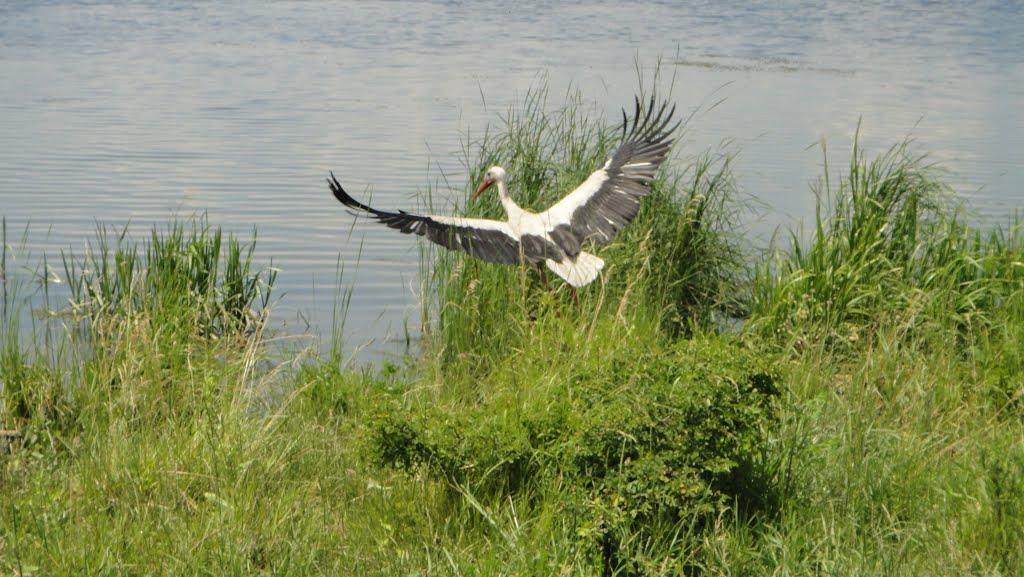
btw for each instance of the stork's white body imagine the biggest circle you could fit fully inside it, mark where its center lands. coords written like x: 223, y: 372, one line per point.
x: 579, y: 270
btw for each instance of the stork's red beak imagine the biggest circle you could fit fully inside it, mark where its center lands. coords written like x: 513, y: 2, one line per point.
x: 483, y: 186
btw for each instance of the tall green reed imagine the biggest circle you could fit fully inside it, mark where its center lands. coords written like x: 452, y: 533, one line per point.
x: 8, y: 327
x: 183, y: 287
x: 30, y: 382
x: 888, y: 249
x: 187, y: 272
x: 678, y: 263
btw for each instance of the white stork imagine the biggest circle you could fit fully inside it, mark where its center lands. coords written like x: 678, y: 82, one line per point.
x: 605, y: 203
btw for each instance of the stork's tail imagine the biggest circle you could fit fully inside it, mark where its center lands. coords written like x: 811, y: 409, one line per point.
x: 579, y: 272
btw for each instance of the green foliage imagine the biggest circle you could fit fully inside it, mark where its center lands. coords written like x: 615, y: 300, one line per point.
x: 184, y: 274
x: 1002, y: 521
x: 867, y: 421
x: 888, y: 251
x: 649, y: 439
x: 171, y: 295
x: 33, y: 393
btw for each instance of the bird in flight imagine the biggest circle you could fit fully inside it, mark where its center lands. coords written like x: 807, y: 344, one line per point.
x: 593, y: 213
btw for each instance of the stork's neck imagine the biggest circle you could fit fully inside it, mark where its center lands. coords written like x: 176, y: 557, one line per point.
x: 511, y: 208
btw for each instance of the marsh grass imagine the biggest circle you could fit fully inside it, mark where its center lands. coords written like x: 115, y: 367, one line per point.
x: 185, y: 273
x: 24, y: 337
x: 10, y: 349
x: 680, y: 263
x: 9, y: 300
x: 889, y: 248
x: 896, y: 323
x: 864, y: 418
x: 185, y: 282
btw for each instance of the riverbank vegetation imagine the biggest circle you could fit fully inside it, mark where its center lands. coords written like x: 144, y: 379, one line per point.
x: 849, y: 401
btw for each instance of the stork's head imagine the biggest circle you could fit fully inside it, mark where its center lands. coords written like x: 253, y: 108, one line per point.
x: 493, y: 174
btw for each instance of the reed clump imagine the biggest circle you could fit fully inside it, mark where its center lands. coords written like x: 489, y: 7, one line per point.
x: 680, y: 262
x: 889, y: 249
x: 174, y: 294
x: 186, y: 273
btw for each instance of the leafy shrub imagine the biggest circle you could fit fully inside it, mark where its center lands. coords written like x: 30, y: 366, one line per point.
x: 636, y: 445
x: 32, y: 393
x: 1002, y: 524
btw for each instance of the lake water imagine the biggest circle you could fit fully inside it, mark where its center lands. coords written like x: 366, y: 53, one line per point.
x: 134, y: 112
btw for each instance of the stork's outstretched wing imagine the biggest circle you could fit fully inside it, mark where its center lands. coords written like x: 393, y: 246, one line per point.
x: 610, y: 197
x: 489, y: 240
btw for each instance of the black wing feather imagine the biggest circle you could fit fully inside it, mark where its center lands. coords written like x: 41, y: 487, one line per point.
x: 489, y: 245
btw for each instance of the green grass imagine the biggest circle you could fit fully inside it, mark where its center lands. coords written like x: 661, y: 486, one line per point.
x: 850, y: 403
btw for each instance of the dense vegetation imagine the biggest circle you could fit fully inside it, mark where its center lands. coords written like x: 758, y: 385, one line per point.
x: 848, y: 402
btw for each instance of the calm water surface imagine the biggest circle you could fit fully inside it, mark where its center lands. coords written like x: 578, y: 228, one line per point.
x: 134, y: 112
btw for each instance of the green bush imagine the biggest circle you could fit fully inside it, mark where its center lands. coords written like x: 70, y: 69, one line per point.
x: 650, y: 439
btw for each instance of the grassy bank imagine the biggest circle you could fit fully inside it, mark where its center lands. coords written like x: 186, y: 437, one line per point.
x: 848, y: 402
